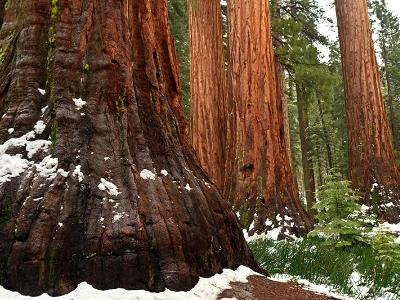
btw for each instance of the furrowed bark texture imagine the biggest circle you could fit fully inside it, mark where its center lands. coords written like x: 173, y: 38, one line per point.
x: 264, y: 183
x: 208, y: 87
x: 92, y: 203
x: 372, y: 166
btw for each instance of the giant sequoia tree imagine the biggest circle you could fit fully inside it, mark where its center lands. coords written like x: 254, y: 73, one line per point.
x: 263, y: 177
x: 97, y: 180
x: 372, y: 166
x: 208, y: 87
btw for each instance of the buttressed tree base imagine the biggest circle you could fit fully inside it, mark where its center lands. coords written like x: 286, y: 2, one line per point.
x: 104, y: 186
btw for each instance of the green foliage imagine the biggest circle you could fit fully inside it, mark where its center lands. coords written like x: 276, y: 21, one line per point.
x: 2, y: 54
x: 339, y: 215
x: 86, y: 68
x: 178, y: 21
x: 386, y: 249
x: 53, y: 135
x: 388, y: 32
x: 54, y: 8
x: 310, y: 259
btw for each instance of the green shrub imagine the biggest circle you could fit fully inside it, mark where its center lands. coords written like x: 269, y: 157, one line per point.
x: 341, y: 221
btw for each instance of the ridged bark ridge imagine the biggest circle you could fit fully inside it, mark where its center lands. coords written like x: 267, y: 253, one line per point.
x: 264, y: 186
x: 372, y: 166
x: 98, y: 181
x: 208, y: 87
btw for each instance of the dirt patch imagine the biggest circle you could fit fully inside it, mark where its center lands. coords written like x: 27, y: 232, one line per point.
x: 261, y: 288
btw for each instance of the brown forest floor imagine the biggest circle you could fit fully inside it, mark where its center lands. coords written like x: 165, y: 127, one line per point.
x: 261, y: 288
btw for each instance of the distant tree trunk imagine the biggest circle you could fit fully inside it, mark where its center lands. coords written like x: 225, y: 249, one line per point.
x: 371, y: 159
x: 98, y: 181
x: 306, y: 159
x: 264, y: 184
x: 208, y: 87
x: 326, y: 135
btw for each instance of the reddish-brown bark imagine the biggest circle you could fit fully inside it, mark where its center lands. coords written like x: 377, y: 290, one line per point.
x: 208, y: 87
x: 371, y: 158
x: 264, y: 184
x: 117, y: 56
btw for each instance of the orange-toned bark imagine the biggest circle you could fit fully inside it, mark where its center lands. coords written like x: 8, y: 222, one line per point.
x: 264, y: 185
x: 371, y: 158
x: 208, y: 87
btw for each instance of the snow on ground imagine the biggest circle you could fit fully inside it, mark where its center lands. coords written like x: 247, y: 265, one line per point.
x: 318, y: 288
x: 206, y: 288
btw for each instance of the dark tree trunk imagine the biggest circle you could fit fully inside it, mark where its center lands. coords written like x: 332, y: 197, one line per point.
x: 105, y: 219
x: 208, y: 87
x: 326, y: 135
x: 372, y: 166
x: 264, y: 183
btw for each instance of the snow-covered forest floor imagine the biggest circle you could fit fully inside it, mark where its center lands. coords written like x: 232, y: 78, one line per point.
x: 356, y: 272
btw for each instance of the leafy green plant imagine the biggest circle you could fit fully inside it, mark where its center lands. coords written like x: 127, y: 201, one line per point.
x: 386, y: 249
x: 341, y: 221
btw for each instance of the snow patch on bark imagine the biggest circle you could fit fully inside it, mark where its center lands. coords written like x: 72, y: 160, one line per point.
x: 79, y: 103
x: 14, y: 165
x: 39, y: 127
x: 147, y: 174
x: 108, y: 186
x: 77, y: 173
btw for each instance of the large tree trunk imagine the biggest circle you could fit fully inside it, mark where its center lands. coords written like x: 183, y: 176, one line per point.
x: 208, y: 87
x: 306, y: 159
x: 264, y: 184
x: 115, y: 197
x: 372, y: 166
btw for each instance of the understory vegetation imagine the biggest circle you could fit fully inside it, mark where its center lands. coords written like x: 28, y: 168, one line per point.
x: 349, y: 250
x: 356, y: 271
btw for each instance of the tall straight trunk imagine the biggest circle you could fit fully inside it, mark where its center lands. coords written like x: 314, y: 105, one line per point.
x: 208, y: 87
x: 372, y: 166
x: 264, y: 183
x: 306, y: 159
x: 98, y: 181
x: 325, y: 132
